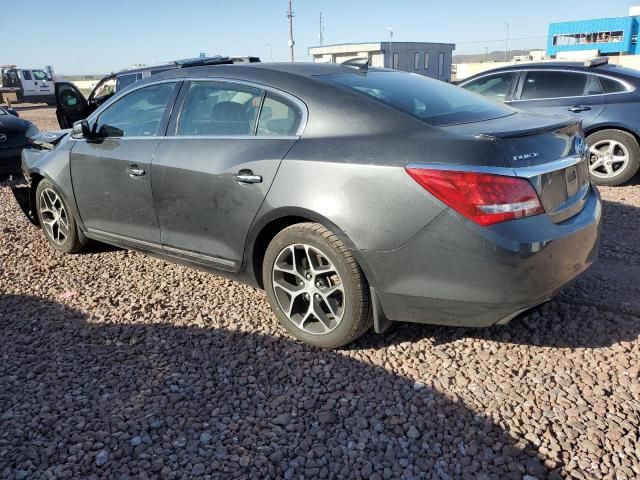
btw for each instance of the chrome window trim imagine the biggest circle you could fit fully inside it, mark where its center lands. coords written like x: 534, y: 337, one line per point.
x: 303, y: 108
x: 629, y: 88
x: 522, y: 172
x: 266, y: 88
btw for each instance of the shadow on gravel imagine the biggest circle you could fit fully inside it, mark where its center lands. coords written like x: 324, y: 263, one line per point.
x: 610, y: 286
x: 125, y: 400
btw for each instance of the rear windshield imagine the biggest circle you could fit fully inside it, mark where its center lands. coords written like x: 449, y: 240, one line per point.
x: 437, y: 103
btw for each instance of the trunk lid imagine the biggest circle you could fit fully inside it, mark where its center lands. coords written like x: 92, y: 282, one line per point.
x: 549, y: 151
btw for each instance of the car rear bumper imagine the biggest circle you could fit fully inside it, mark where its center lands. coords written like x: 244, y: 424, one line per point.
x: 456, y: 273
x: 10, y: 160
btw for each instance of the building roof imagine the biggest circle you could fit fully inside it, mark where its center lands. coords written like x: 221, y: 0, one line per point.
x: 375, y: 45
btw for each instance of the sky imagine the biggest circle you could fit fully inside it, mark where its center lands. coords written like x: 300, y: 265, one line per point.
x: 98, y: 37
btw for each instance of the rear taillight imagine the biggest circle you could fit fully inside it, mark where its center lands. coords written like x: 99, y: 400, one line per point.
x: 485, y: 198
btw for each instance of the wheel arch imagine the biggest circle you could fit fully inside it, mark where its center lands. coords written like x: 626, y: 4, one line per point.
x: 599, y: 128
x: 271, y: 224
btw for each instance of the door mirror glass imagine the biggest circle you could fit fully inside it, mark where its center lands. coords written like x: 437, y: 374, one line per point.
x: 81, y: 129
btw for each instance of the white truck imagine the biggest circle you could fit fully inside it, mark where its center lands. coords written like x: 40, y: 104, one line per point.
x: 33, y: 85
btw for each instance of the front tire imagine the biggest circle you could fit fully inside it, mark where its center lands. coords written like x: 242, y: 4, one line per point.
x: 315, y: 286
x: 57, y: 221
x: 614, y: 157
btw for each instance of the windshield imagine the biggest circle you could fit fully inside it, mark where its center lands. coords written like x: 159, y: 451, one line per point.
x: 435, y: 102
x: 3, y: 111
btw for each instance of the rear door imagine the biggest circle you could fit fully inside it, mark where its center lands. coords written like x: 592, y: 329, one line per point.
x: 558, y: 92
x: 71, y: 105
x: 213, y: 170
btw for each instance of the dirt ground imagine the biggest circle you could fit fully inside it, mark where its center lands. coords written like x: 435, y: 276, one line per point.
x: 118, y: 365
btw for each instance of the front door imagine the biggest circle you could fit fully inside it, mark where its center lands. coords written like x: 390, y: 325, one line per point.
x: 552, y: 92
x: 212, y: 173
x: 111, y: 170
x: 71, y: 105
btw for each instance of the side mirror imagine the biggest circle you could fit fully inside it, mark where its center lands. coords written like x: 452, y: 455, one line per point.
x: 81, y: 129
x: 11, y: 111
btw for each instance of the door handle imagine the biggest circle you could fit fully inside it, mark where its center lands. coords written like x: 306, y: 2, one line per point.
x: 247, y: 177
x: 579, y: 108
x: 134, y: 171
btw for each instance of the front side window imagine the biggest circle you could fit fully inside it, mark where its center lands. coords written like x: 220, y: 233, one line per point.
x: 278, y: 117
x: 548, y: 84
x: 40, y: 75
x: 137, y: 114
x: 435, y: 102
x: 492, y: 86
x: 219, y: 109
x: 26, y: 74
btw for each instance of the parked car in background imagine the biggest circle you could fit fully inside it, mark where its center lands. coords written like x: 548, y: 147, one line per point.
x: 33, y: 85
x: 14, y: 134
x: 606, y: 97
x: 72, y: 105
x: 351, y: 195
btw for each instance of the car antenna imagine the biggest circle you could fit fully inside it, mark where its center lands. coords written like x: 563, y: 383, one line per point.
x: 361, y: 63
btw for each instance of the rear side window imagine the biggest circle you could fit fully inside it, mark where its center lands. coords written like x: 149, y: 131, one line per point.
x: 26, y: 74
x: 492, y: 86
x: 609, y: 85
x: 435, y: 102
x: 219, y: 109
x: 278, y: 117
x: 545, y: 84
x: 137, y: 114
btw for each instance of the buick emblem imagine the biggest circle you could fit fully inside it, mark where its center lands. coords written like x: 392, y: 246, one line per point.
x: 3, y: 138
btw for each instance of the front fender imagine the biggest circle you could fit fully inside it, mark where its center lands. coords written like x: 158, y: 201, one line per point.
x: 22, y: 194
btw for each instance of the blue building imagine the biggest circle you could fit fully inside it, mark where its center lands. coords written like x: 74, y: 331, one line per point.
x: 609, y: 36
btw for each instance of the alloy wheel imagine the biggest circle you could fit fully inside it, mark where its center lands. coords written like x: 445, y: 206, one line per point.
x: 308, y: 289
x: 607, y: 158
x: 54, y: 216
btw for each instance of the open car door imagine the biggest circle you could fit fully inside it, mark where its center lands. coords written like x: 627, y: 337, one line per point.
x: 71, y: 104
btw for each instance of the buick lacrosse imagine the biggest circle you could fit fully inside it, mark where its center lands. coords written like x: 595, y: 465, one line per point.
x: 353, y: 196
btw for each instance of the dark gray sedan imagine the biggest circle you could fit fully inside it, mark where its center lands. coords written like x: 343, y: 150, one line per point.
x: 353, y: 196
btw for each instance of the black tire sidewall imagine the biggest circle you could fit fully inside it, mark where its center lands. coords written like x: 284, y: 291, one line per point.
x: 343, y: 333
x: 630, y: 143
x: 71, y: 243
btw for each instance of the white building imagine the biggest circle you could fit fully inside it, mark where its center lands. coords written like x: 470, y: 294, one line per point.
x: 428, y: 59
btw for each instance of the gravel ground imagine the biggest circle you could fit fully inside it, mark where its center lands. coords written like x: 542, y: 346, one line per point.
x: 117, y: 365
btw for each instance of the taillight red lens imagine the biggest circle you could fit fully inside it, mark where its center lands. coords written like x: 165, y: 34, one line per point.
x: 485, y: 198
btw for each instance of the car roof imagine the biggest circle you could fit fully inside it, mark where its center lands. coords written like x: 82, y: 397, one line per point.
x: 303, y: 69
x: 550, y: 65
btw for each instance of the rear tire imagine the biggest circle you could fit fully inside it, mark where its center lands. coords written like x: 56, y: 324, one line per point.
x: 315, y: 286
x: 57, y: 222
x: 614, y: 157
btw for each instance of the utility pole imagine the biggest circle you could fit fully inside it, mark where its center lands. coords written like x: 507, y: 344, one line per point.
x: 291, y: 41
x: 321, y: 30
x: 390, y: 30
x: 506, y: 43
